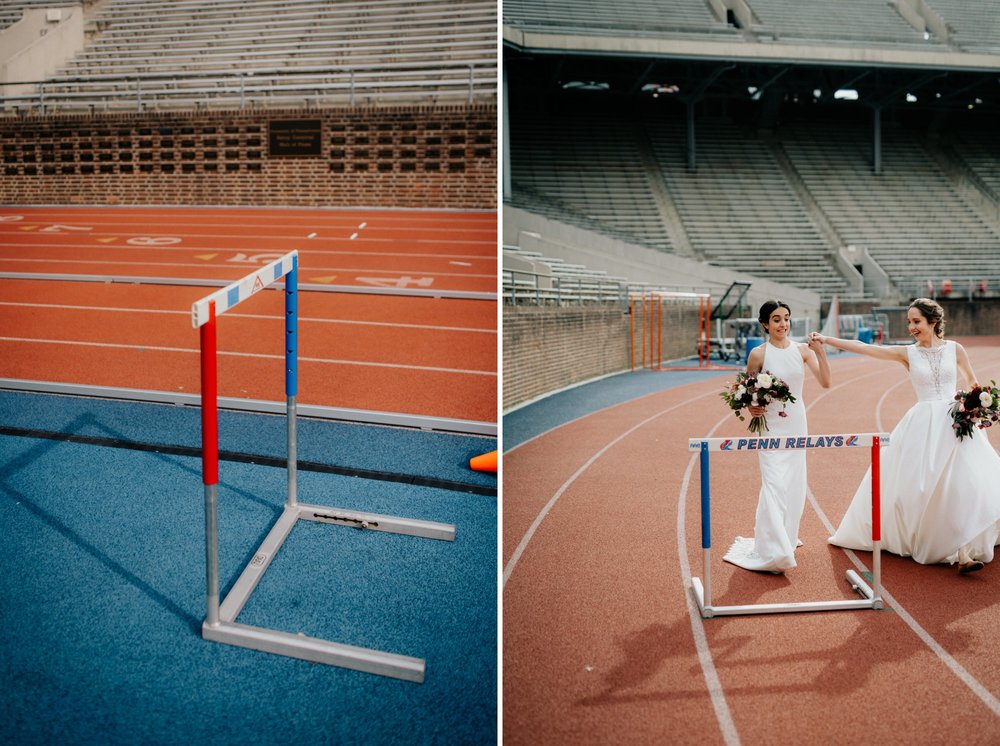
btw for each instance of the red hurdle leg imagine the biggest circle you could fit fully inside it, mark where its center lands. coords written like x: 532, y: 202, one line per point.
x: 210, y: 462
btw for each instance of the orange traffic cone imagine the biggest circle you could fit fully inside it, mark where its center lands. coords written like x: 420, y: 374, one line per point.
x: 486, y: 462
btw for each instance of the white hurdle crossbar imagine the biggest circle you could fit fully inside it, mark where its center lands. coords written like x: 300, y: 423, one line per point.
x: 872, y: 595
x: 220, y: 622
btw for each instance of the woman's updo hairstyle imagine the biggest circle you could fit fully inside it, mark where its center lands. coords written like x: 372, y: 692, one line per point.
x: 932, y: 311
x: 769, y: 307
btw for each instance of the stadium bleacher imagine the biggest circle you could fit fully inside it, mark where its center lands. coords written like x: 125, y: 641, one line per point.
x: 658, y: 17
x: 594, y: 169
x: 910, y: 217
x: 275, y: 52
x: 841, y: 22
x: 749, y: 160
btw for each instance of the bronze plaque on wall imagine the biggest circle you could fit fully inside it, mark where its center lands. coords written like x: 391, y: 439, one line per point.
x: 291, y: 137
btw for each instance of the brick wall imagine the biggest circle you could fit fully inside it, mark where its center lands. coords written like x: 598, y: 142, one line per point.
x: 547, y: 348
x: 416, y: 156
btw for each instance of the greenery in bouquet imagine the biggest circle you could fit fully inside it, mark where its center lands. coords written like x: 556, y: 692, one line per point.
x: 979, y: 407
x: 757, y: 389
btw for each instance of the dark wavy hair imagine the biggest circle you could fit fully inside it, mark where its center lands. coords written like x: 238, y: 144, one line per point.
x: 769, y: 307
x: 932, y: 311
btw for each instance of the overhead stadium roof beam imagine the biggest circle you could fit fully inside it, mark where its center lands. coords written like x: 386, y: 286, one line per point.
x: 642, y: 77
x: 707, y: 83
x: 908, y: 88
x: 772, y: 80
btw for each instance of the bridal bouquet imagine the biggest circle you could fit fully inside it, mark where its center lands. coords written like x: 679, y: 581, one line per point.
x: 758, y: 389
x: 977, y: 408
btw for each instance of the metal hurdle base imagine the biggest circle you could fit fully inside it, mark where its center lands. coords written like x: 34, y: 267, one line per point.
x: 702, y: 591
x: 870, y: 601
x: 312, y: 649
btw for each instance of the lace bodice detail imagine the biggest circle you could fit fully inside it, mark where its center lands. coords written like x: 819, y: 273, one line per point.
x: 933, y: 371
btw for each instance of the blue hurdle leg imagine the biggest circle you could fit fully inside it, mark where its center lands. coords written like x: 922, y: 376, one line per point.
x: 291, y: 372
x: 706, y: 525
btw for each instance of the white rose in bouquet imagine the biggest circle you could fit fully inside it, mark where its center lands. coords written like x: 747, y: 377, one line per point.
x: 985, y: 399
x: 764, y: 381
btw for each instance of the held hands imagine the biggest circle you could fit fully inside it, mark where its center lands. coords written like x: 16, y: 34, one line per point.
x: 756, y: 411
x: 816, y: 340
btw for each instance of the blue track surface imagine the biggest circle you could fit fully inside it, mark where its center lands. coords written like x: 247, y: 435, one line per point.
x: 534, y: 419
x: 103, y: 583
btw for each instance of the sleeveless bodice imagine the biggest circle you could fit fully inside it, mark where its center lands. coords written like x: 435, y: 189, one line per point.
x: 933, y: 371
x: 787, y: 365
x: 783, y: 483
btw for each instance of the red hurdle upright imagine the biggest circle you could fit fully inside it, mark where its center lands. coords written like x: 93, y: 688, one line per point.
x: 220, y: 620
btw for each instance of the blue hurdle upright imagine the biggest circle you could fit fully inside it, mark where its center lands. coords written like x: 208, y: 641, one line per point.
x: 872, y: 595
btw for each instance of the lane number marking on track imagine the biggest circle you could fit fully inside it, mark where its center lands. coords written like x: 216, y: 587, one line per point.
x: 397, y: 282
x: 65, y: 229
x: 241, y: 258
x: 153, y: 241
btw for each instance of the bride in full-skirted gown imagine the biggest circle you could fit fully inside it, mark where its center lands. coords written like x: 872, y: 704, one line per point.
x: 783, y: 473
x: 940, y: 495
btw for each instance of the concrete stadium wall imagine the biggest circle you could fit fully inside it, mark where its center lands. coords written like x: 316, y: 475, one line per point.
x: 547, y: 348
x: 640, y: 264
x: 400, y: 156
x: 36, y: 47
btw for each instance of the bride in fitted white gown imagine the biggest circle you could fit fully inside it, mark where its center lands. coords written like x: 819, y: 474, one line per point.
x: 782, y: 473
x: 940, y: 495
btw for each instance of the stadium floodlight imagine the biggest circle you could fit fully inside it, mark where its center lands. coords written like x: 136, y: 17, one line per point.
x: 588, y: 85
x: 657, y: 88
x: 910, y: 98
x: 846, y: 94
x: 817, y: 93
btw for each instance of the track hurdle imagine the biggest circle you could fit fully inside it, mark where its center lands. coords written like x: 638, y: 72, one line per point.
x: 646, y: 317
x: 220, y: 622
x: 702, y: 591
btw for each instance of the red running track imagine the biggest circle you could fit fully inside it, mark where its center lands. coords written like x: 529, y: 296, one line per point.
x: 603, y: 644
x: 432, y: 357
x: 396, y: 249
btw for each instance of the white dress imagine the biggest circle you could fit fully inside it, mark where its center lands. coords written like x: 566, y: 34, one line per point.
x: 783, y: 476
x: 938, y: 493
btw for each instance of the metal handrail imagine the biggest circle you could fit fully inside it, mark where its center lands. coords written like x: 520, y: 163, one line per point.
x: 369, y: 83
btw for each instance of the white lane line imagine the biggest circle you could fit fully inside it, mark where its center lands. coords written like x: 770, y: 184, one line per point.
x: 529, y: 534
x: 715, y: 689
x: 372, y: 252
x: 881, y: 401
x: 957, y: 668
x: 712, y: 682
x: 392, y: 273
x: 708, y: 670
x: 943, y: 655
x: 156, y: 348
x: 252, y: 316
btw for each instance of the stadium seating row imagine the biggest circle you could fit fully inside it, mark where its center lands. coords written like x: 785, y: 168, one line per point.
x: 274, y: 52
x: 930, y: 24
x: 781, y: 205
